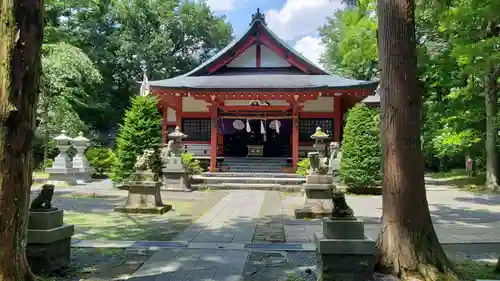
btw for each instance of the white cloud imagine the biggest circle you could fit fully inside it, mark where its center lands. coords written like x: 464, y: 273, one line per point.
x: 298, y: 18
x: 311, y: 48
x: 221, y: 5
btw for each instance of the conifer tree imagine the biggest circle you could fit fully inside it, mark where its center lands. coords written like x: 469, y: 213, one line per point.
x: 361, y: 150
x: 141, y: 129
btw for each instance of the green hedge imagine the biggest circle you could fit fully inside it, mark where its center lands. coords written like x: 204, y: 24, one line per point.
x: 361, y: 149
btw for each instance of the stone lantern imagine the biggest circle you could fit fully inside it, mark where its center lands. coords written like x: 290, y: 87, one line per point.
x: 83, y: 175
x: 62, y: 168
x: 319, y: 137
x: 174, y: 174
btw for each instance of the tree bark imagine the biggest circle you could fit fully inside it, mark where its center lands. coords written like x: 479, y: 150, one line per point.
x: 20, y: 43
x: 407, y: 246
x: 491, y: 102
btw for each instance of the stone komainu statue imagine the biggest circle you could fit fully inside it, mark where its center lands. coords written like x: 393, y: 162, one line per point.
x: 146, y: 161
x: 43, y: 200
x: 166, y: 151
x: 340, y: 207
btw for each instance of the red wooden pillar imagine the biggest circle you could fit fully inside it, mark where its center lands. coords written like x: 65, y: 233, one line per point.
x: 337, y: 111
x: 178, y: 113
x: 164, y: 113
x: 295, y: 137
x: 213, y: 139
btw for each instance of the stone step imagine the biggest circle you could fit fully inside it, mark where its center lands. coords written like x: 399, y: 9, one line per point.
x: 246, y: 174
x: 260, y: 180
x: 254, y: 170
x: 249, y: 163
x: 250, y: 186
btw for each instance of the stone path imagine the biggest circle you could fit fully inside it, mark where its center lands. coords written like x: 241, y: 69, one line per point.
x: 217, y: 247
x: 269, y: 226
x: 233, y: 219
x: 193, y: 265
x: 459, y: 217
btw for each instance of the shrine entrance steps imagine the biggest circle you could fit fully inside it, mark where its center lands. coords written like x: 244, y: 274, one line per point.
x: 253, y: 164
x: 250, y: 181
x: 252, y: 173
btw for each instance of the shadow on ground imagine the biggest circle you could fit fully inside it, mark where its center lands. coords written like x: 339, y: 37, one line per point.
x: 210, y: 264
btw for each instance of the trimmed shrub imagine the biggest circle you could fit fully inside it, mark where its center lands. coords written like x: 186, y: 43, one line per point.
x: 303, y: 167
x: 361, y: 149
x: 101, y: 159
x: 192, y: 165
x: 141, y: 129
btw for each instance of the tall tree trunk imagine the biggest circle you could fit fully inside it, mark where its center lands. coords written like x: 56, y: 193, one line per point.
x: 491, y: 101
x: 407, y: 245
x: 20, y: 44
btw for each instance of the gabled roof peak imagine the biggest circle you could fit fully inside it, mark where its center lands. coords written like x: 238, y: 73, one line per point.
x: 258, y: 17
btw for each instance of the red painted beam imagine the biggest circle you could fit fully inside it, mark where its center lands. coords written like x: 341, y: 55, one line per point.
x: 255, y: 108
x: 222, y: 62
x: 266, y: 40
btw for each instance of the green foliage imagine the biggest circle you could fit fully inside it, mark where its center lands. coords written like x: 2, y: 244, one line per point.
x: 361, y: 150
x: 141, y: 129
x: 192, y: 165
x: 350, y: 37
x: 101, y: 159
x: 68, y: 82
x: 303, y: 167
x: 169, y: 36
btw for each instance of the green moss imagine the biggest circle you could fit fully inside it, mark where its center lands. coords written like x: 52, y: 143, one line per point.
x: 473, y: 270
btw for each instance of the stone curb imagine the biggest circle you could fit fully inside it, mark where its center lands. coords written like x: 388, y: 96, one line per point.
x: 158, y: 245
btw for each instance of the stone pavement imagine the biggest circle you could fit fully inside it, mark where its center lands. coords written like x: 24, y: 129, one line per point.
x: 192, y: 265
x: 459, y: 217
x: 217, y: 246
x: 233, y: 219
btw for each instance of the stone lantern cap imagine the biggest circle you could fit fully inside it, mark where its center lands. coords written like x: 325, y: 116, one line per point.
x: 80, y: 140
x: 319, y: 135
x: 63, y: 139
x: 177, y: 134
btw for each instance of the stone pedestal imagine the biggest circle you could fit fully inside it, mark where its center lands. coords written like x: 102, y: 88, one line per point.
x: 144, y: 195
x: 343, y: 252
x: 174, y: 175
x: 49, y: 241
x: 83, y: 170
x: 62, y: 169
x: 318, y: 191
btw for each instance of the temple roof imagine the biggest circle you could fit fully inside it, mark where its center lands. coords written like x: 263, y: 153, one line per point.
x: 214, y: 74
x: 262, y: 81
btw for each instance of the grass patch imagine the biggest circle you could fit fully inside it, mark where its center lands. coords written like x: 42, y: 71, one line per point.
x: 369, y: 191
x: 473, y: 270
x: 448, y: 174
x: 292, y: 276
x: 84, y: 196
x: 112, y: 225
x: 40, y: 175
x: 472, y: 184
x: 459, y: 179
x: 287, y: 193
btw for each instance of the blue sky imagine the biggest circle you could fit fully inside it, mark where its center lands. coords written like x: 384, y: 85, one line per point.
x: 295, y: 21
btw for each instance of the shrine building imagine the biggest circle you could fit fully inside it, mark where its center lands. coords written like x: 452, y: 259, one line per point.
x: 256, y: 97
